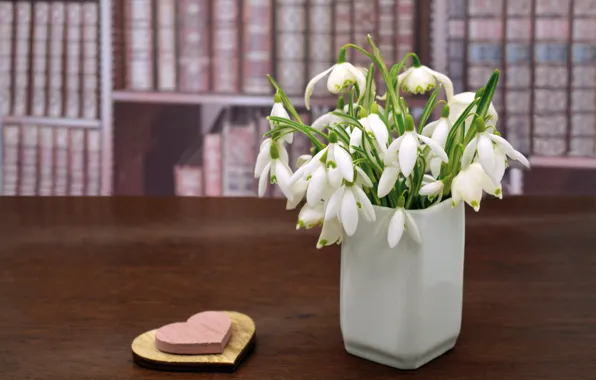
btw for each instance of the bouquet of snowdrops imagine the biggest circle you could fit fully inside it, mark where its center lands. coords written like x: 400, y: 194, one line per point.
x: 369, y: 151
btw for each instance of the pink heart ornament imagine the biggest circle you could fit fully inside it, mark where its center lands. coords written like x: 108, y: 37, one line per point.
x: 204, y: 333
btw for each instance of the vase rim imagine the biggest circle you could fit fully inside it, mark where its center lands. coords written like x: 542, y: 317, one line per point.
x: 436, y: 207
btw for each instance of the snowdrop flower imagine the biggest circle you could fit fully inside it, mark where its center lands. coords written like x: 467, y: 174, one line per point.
x: 491, y: 159
x: 468, y: 185
x: 376, y: 128
x: 439, y: 129
x: 331, y: 233
x: 311, y: 216
x: 326, y: 119
x: 407, y: 146
x: 272, y: 162
x: 279, y: 111
x: 420, y: 79
x: 299, y: 186
x: 400, y: 221
x: 341, y: 75
x: 346, y: 204
x: 431, y: 187
x: 461, y: 101
x: 388, y: 178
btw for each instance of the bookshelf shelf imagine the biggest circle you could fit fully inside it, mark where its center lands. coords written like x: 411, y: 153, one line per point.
x: 563, y: 162
x: 52, y: 121
x: 231, y: 100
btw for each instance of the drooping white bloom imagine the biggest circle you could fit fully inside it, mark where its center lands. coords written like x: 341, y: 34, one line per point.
x: 388, y: 178
x: 400, y: 221
x: 468, y: 185
x: 279, y: 111
x: 490, y: 149
x: 438, y: 130
x: 405, y: 149
x: 311, y: 216
x: 326, y: 119
x: 299, y: 186
x: 347, y: 203
x: 339, y: 164
x: 461, y: 101
x: 431, y: 188
x: 418, y: 80
x: 341, y: 75
x: 331, y: 233
x: 272, y: 162
x: 376, y: 128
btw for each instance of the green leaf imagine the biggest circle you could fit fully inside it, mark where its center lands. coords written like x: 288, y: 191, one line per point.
x: 487, y: 96
x: 428, y: 108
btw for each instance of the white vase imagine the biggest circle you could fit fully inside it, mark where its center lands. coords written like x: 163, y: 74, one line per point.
x: 402, y: 306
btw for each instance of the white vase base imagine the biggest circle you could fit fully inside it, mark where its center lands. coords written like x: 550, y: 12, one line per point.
x: 406, y: 362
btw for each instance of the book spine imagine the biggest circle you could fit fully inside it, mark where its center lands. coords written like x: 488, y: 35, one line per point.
x: 320, y: 55
x: 61, y: 161
x: 166, y: 45
x: 28, y: 163
x: 46, y: 159
x: 6, y: 40
x: 193, y: 57
x: 138, y: 37
x: 405, y: 27
x: 41, y: 17
x: 93, y: 163
x: 10, y: 166
x: 56, y: 57
x: 73, y: 60
x: 290, y: 27
x: 188, y: 180
x: 257, y: 20
x: 90, y: 60
x: 225, y: 46
x: 21, y: 59
x: 212, y: 164
x: 76, y: 153
x: 238, y: 142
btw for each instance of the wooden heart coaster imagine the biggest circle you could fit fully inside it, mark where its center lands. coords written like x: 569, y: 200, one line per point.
x: 204, y: 333
x: 241, y: 343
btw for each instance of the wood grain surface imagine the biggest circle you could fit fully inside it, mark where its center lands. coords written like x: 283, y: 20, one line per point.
x: 81, y: 278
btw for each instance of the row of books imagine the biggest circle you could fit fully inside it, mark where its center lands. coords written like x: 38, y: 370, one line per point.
x: 546, y: 51
x: 228, y: 46
x: 222, y: 164
x: 49, y: 160
x: 49, y: 58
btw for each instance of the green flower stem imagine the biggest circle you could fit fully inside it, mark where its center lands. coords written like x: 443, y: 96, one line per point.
x: 307, y: 130
x: 285, y: 100
x: 428, y: 108
x: 365, y: 138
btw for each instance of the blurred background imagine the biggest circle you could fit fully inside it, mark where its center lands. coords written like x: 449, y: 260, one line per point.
x: 168, y: 97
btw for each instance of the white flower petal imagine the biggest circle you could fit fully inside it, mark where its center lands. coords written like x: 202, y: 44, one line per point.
x: 412, y: 228
x: 360, y: 79
x: 435, y: 166
x: 299, y: 190
x: 356, y: 138
x: 302, y: 160
x: 367, y: 207
x: 330, y: 233
x: 445, y: 81
x: 311, y: 86
x: 435, y: 147
x: 344, y: 163
x: 379, y: 129
x: 321, y: 121
x: 334, y: 203
x: 486, y: 156
x: 504, y: 144
x: 469, y: 153
x: 283, y: 174
x: 334, y: 176
x: 387, y: 180
x: 362, y: 178
x: 396, y: 227
x: 408, y: 152
x: 283, y: 153
x: 391, y: 153
x: 310, y: 216
x: 263, y: 159
x: 522, y: 159
x: 441, y: 132
x: 432, y: 188
x: 317, y: 186
x: 264, y: 180
x: 349, y: 212
x: 430, y: 128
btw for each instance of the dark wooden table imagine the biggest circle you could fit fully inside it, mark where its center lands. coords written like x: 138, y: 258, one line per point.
x: 80, y: 278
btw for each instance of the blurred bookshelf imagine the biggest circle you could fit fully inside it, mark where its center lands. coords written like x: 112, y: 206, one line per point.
x: 166, y: 97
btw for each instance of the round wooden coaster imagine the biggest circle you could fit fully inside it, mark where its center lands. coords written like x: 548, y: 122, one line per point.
x: 241, y: 344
